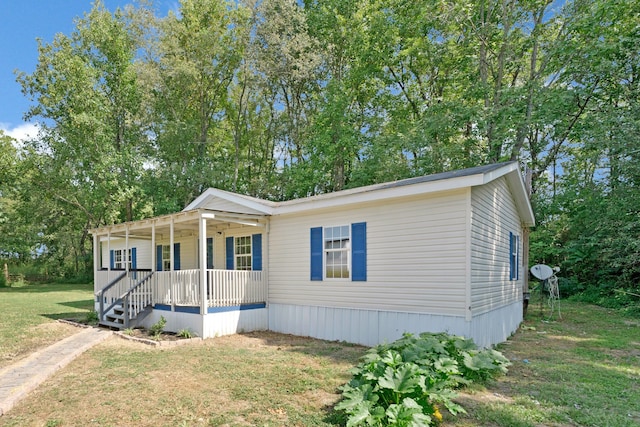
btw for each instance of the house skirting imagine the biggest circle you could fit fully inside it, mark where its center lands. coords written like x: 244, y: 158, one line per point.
x: 217, y: 322
x: 372, y: 327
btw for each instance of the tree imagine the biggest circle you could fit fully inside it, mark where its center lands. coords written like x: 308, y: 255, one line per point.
x: 198, y: 57
x: 90, y: 153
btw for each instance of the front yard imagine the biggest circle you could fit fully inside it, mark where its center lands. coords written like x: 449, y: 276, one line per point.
x: 582, y: 370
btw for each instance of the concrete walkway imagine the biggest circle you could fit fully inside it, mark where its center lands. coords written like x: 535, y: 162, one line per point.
x: 17, y: 380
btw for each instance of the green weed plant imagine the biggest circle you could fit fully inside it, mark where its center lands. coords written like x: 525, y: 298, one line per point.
x: 158, y: 327
x: 405, y: 383
x: 185, y: 333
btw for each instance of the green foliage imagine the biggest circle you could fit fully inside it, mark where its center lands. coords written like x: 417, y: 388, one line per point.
x: 3, y: 281
x: 278, y: 99
x: 185, y: 333
x: 405, y: 383
x: 158, y: 327
x: 92, y: 317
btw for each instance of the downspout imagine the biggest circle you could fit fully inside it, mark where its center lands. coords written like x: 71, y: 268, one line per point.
x: 467, y: 292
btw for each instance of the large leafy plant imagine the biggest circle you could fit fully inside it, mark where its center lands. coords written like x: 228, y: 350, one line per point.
x: 405, y: 383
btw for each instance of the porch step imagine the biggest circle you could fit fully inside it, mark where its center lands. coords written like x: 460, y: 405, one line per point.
x: 116, y: 318
x: 111, y: 325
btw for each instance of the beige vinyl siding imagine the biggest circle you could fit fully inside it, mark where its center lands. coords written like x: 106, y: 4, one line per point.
x: 222, y: 205
x: 143, y: 254
x: 415, y: 256
x: 188, y: 251
x: 494, y: 215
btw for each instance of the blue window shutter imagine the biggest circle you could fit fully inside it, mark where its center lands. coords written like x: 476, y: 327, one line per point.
x: 517, y: 261
x: 176, y: 256
x: 316, y: 253
x: 359, y: 252
x: 511, y: 260
x: 256, y: 252
x: 209, y: 252
x: 229, y: 252
x: 134, y: 261
x: 159, y: 258
x: 112, y: 259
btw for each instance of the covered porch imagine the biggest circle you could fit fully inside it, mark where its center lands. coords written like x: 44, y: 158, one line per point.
x: 188, y: 267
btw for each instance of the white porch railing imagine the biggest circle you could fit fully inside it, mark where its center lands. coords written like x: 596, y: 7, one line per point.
x: 235, y: 287
x: 178, y: 287
x: 224, y: 287
x: 103, y: 277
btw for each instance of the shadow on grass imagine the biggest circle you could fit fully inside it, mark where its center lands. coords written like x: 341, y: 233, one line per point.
x: 564, y: 373
x: 85, y: 304
x: 335, y: 350
x: 71, y: 315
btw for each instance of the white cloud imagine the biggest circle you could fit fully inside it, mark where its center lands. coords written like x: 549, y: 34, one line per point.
x: 21, y: 132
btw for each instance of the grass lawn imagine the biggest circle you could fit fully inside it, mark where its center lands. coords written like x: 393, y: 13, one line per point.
x: 583, y: 370
x: 28, y: 311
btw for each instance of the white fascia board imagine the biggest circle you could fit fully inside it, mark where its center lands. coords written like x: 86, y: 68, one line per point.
x: 516, y: 184
x: 243, y: 219
x: 259, y: 205
x: 495, y: 174
x: 144, y: 224
x: 512, y: 174
x: 374, y: 193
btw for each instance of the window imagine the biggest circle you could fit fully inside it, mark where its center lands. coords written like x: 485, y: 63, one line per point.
x: 166, y: 257
x: 513, y: 256
x: 242, y: 251
x: 339, y: 252
x: 336, y: 252
x: 118, y: 261
x: 163, y: 257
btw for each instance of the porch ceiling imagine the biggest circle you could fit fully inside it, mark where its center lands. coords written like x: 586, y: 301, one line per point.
x: 185, y: 223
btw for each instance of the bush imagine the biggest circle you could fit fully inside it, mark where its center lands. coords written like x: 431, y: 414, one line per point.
x: 158, y: 327
x: 3, y: 280
x: 408, y: 381
x: 92, y: 317
x: 185, y: 333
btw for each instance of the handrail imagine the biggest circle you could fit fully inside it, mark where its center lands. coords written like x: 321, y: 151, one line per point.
x: 101, y: 292
x: 125, y: 300
x: 120, y: 298
x: 140, y: 282
x: 111, y: 284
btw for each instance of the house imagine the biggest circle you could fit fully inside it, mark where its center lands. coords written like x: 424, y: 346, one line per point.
x: 435, y: 253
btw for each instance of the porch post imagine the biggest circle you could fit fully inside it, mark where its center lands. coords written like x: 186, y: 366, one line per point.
x: 154, y: 259
x: 126, y: 249
x: 154, y: 277
x: 109, y: 254
x: 171, y: 270
x: 96, y: 254
x: 202, y: 232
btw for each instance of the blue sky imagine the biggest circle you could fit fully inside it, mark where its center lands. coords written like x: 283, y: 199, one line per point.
x: 21, y: 23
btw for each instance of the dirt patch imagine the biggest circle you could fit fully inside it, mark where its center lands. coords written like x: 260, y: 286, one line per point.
x: 165, y: 339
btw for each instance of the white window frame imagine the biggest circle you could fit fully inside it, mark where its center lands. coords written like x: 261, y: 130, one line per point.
x: 242, y: 259
x: 166, y: 257
x: 329, y: 235
x: 514, y: 257
x: 118, y: 259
